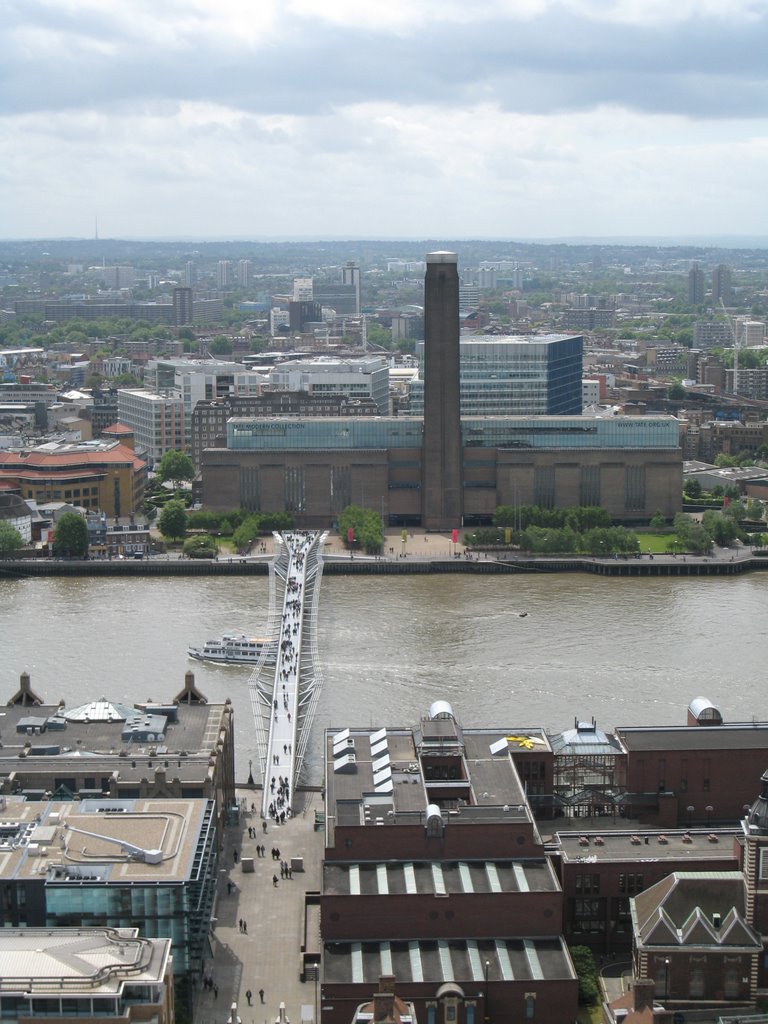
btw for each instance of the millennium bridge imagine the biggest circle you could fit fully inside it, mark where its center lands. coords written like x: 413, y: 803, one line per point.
x: 285, y: 684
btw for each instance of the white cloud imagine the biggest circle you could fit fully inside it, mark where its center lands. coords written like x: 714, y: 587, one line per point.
x: 531, y: 117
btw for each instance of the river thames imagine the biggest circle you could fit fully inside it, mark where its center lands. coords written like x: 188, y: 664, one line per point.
x: 626, y: 651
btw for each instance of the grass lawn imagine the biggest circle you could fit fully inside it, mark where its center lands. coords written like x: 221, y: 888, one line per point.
x: 589, y: 1015
x: 658, y: 543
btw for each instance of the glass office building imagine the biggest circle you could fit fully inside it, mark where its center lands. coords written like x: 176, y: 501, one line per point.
x: 515, y: 376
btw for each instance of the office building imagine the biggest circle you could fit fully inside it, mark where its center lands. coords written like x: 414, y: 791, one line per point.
x: 354, y: 378
x: 158, y: 422
x: 303, y: 312
x: 341, y: 298
x: 469, y: 297
x: 128, y: 863
x: 85, y: 974
x: 303, y: 289
x: 117, y: 278
x: 190, y: 274
x: 514, y: 376
x: 102, y: 475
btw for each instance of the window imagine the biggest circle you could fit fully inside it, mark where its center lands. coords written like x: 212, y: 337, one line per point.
x: 696, y: 989
x: 731, y: 986
x: 530, y: 1005
x: 588, y: 884
x: 588, y: 916
x: 634, y: 490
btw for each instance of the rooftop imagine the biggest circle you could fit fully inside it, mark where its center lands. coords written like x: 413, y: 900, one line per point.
x: 734, y: 736
x: 95, y: 960
x: 639, y: 847
x: 459, y: 961
x: 101, y: 840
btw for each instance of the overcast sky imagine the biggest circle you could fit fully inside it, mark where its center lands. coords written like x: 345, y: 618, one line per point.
x: 383, y: 118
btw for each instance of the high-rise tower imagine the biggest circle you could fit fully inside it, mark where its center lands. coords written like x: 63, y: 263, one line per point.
x: 350, y: 274
x: 721, y: 285
x: 695, y: 285
x: 441, y: 457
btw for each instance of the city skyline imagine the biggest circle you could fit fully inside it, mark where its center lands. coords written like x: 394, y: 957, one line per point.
x: 532, y: 120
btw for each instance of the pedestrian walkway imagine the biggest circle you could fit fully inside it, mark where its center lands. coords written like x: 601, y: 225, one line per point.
x: 284, y: 701
x: 266, y: 954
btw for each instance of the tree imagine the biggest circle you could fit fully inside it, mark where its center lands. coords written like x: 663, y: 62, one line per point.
x: 721, y: 528
x: 200, y: 547
x: 586, y: 970
x: 175, y: 466
x: 692, y: 488
x: 676, y: 392
x: 691, y: 535
x: 367, y: 527
x: 173, y: 519
x: 658, y: 522
x: 10, y: 539
x: 221, y: 345
x: 70, y: 538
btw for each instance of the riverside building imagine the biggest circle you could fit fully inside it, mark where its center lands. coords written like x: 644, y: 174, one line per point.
x: 454, y: 465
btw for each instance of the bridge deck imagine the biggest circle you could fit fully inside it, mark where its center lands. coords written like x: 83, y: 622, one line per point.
x: 284, y: 695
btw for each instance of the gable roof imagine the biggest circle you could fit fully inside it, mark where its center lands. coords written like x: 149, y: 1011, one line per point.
x: 694, y: 909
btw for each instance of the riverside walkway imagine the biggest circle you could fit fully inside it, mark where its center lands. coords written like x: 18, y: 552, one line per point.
x: 285, y: 693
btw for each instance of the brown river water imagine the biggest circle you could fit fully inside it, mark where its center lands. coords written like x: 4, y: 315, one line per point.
x: 626, y: 651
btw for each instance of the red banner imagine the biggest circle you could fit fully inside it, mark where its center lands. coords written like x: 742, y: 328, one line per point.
x: 455, y: 536
x: 351, y: 535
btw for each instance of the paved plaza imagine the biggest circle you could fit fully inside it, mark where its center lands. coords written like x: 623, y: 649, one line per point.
x: 268, y: 955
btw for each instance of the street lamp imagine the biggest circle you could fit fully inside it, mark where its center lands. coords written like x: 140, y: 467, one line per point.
x: 316, y: 966
x: 690, y: 809
x: 666, y: 981
x: 709, y: 809
x: 250, y: 772
x: 487, y: 1015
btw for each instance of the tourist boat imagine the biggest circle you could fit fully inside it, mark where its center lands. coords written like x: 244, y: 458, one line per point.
x: 235, y: 649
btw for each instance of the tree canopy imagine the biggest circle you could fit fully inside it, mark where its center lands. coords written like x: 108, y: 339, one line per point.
x: 173, y: 519
x: 175, y: 466
x: 366, y: 526
x: 10, y: 539
x: 70, y: 538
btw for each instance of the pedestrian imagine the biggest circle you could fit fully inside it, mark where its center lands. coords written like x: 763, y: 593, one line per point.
x: 245, y: 927
x: 229, y: 888
x: 274, y: 881
x: 240, y: 924
x: 249, y: 996
x: 215, y: 991
x: 264, y: 826
x: 261, y: 994
x: 234, y: 854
